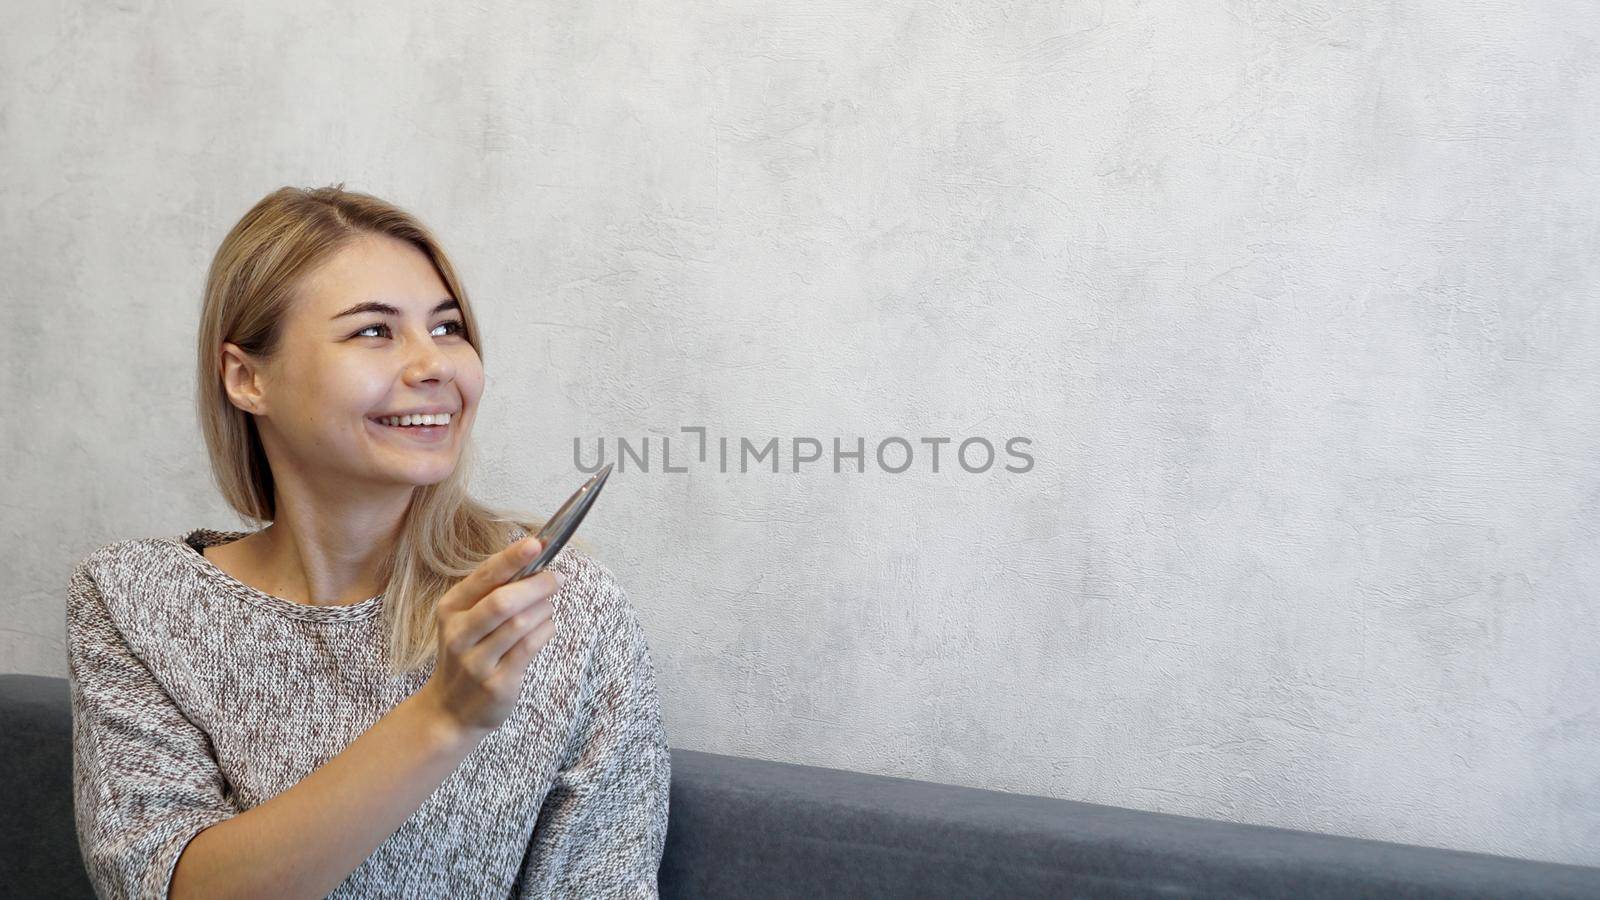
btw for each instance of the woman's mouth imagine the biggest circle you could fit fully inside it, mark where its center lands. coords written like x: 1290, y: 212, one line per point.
x: 429, y: 433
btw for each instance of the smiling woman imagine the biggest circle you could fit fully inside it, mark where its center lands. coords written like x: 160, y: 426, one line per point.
x: 355, y: 700
x: 326, y: 310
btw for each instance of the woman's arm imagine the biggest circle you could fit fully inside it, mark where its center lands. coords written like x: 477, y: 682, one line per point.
x: 151, y: 806
x: 306, y: 840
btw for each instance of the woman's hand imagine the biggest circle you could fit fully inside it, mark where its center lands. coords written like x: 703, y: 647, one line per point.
x: 489, y: 631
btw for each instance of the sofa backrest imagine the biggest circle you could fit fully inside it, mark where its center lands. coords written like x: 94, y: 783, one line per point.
x: 741, y: 827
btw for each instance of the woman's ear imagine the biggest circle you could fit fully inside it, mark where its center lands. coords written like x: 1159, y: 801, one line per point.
x: 240, y: 379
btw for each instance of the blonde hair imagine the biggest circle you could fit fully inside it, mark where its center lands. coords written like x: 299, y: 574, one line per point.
x: 253, y: 280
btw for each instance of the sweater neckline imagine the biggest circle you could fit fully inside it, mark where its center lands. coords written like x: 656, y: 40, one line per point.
x: 189, y: 546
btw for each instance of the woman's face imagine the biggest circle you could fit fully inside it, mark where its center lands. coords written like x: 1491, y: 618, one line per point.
x: 343, y: 364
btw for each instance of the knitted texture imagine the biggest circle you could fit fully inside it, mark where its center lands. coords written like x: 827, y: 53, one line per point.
x: 196, y: 697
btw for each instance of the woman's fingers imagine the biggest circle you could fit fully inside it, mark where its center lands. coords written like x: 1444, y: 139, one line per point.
x: 514, y: 628
x: 515, y: 661
x: 493, y: 572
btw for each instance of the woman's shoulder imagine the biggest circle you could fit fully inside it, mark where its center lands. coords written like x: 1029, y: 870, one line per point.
x: 129, y: 558
x: 136, y: 582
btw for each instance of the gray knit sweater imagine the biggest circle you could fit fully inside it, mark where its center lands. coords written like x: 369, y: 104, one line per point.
x: 196, y: 697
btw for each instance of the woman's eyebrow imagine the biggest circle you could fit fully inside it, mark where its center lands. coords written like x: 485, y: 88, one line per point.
x: 384, y: 308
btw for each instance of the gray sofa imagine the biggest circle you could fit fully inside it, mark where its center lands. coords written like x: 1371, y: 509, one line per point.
x: 750, y: 828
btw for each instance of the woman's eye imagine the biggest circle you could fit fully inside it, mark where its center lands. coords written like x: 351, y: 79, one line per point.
x: 456, y: 326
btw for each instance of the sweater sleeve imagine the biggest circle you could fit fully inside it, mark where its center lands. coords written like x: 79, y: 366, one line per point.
x: 144, y: 780
x: 603, y: 825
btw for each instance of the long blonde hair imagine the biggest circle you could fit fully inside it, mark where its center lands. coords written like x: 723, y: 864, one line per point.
x: 250, y: 287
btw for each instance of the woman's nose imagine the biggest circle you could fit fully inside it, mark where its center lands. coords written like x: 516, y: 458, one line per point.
x: 429, y: 360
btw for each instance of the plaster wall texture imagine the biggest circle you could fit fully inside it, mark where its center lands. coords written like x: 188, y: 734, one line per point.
x: 1295, y: 303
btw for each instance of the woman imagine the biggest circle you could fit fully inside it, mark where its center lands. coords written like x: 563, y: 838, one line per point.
x: 351, y: 701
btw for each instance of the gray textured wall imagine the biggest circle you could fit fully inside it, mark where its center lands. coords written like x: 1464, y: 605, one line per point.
x: 1296, y: 302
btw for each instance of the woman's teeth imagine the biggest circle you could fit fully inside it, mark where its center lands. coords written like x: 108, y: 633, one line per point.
x: 440, y: 419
